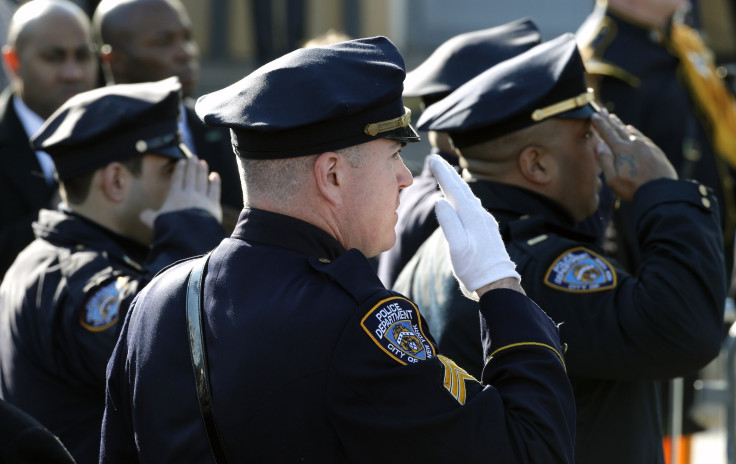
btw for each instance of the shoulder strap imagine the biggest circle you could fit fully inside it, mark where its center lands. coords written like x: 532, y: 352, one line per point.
x: 353, y: 272
x: 195, y: 316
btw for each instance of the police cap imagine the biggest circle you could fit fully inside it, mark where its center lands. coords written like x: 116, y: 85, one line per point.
x: 543, y: 82
x: 113, y: 123
x: 314, y: 100
x: 465, y: 56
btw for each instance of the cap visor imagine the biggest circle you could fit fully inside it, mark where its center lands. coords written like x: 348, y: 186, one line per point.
x: 402, y: 134
x: 179, y: 151
x: 584, y: 112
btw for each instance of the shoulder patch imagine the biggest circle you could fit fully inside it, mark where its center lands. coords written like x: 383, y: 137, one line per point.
x: 394, y: 324
x: 581, y: 270
x: 102, y: 308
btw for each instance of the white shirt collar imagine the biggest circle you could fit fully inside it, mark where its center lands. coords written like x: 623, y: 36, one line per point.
x: 186, y: 133
x: 30, y: 120
x: 32, y: 123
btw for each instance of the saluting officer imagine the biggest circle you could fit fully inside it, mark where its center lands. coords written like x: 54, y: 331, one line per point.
x: 526, y: 133
x: 452, y: 64
x: 656, y: 74
x: 298, y: 352
x: 133, y: 201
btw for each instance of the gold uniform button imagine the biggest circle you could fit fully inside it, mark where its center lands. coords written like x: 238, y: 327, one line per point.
x: 703, y: 190
x: 706, y: 202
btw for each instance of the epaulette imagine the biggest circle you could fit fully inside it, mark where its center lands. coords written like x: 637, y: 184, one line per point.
x: 603, y: 68
x: 594, y: 48
x: 527, y: 232
x: 353, y: 272
x: 527, y: 229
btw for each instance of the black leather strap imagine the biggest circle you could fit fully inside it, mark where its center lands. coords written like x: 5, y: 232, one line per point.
x: 198, y: 349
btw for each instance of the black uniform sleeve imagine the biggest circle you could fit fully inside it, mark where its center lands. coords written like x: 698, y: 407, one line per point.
x: 24, y: 440
x: 106, y: 297
x: 391, y: 396
x: 664, y: 322
x: 182, y: 234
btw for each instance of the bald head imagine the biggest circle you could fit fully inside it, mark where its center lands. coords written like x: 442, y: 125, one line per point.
x: 146, y: 40
x: 33, y: 15
x: 49, y: 54
x: 112, y: 20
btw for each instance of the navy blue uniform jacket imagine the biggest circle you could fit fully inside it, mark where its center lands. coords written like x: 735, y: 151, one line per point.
x: 60, y: 304
x: 313, y: 360
x: 637, y: 76
x: 622, y: 332
x: 23, y: 440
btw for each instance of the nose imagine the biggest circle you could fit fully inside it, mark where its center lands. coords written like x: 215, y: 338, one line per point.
x: 404, y: 177
x: 600, y: 146
x: 186, y: 50
x: 72, y: 70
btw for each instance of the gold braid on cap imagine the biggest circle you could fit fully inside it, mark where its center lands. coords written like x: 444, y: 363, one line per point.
x: 376, y: 128
x: 565, y: 105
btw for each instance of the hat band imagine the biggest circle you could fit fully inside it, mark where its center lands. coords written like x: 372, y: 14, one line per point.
x: 376, y: 128
x: 565, y: 105
x: 157, y: 143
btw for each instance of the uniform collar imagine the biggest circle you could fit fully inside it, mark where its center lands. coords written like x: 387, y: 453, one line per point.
x: 629, y: 27
x: 509, y: 202
x: 68, y: 228
x: 268, y: 228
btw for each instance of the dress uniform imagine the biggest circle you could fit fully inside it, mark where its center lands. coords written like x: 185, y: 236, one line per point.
x: 309, y: 357
x: 639, y: 74
x: 622, y: 332
x: 23, y: 440
x: 63, y: 296
x: 452, y: 64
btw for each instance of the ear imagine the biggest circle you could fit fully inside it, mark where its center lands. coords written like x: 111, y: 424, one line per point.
x: 113, y: 64
x: 115, y: 182
x: 105, y: 53
x: 10, y: 58
x: 329, y: 176
x: 536, y: 165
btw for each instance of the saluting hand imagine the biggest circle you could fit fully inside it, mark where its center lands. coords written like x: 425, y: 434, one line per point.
x: 629, y: 159
x: 479, y: 258
x: 192, y: 186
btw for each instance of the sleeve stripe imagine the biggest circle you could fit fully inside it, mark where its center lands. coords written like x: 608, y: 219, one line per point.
x: 514, y: 345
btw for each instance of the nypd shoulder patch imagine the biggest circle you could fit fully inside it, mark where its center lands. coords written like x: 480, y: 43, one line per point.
x: 581, y: 270
x: 394, y: 324
x: 102, y: 308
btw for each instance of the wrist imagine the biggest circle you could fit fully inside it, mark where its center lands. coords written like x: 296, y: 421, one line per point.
x: 511, y: 283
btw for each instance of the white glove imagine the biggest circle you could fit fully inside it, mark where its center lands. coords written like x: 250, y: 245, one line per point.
x: 477, y: 252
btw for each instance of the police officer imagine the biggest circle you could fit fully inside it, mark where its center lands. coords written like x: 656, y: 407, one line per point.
x: 656, y: 74
x: 633, y: 53
x: 133, y: 202
x: 526, y: 133
x: 452, y: 64
x: 150, y: 40
x: 49, y: 56
x: 298, y: 352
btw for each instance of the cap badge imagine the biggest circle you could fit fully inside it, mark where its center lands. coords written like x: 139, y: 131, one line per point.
x: 376, y: 128
x: 565, y: 105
